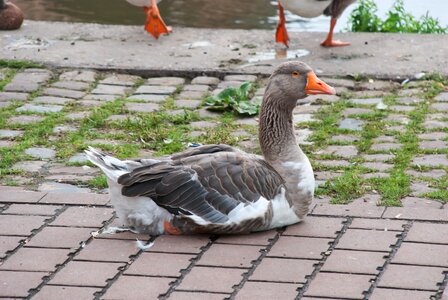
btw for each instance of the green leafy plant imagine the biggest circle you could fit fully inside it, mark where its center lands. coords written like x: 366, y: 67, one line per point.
x: 236, y: 100
x: 364, y: 19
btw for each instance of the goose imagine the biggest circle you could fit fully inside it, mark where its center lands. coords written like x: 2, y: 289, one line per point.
x: 312, y: 9
x: 11, y: 17
x: 154, y: 22
x: 219, y: 189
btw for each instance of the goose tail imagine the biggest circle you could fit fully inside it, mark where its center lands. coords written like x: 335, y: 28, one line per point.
x: 111, y: 166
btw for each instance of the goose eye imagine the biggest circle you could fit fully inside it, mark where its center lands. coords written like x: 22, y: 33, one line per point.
x: 295, y: 74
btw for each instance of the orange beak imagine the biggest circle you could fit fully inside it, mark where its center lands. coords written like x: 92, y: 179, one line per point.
x: 316, y: 86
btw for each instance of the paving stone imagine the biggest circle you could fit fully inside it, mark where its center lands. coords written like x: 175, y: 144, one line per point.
x: 6, y: 144
x: 56, y: 187
x: 203, y: 124
x: 381, y: 294
x: 385, y: 147
x: 408, y: 100
x: 433, y: 145
x: 362, y: 262
x: 191, y: 104
x: 17, y: 284
x: 434, y: 173
x: 21, y: 86
x: 72, y: 85
x: 25, y: 119
x: 110, y: 89
x: 108, y: 250
x: 402, y: 108
x: 312, y: 248
x: 411, y: 213
x: 401, y: 119
x: 439, y: 106
x: 60, y: 237
x: 345, y: 138
x: 57, y: 92
x: 378, y: 224
x: 142, y: 107
x: 316, y: 227
x: 52, y: 100
x: 367, y: 101
x: 246, y: 121
x: 243, y: 78
x: 33, y: 259
x: 13, y: 96
x: 7, y: 134
x: 121, y: 79
x: 161, y: 264
x: 61, y: 169
x: 321, y: 98
x: 351, y: 124
x: 442, y: 97
x: 20, y: 225
x: 79, y: 75
x: 192, y: 95
x: 238, y: 256
x: 34, y: 209
x: 370, y: 240
x: 18, y: 195
x: 34, y: 75
x: 378, y: 85
x: 208, y: 279
x: 52, y: 292
x: 326, y: 175
x: 397, y: 128
x: 378, y: 157
x: 433, y: 136
x: 303, y: 135
x: 342, y: 151
x: 86, y: 273
x: 148, y: 98
x: 42, y: 153
x: 433, y: 160
x: 89, y: 103
x: 256, y: 238
x: 301, y: 118
x: 180, y: 244
x: 64, y: 129
x: 5, y: 104
x: 420, y: 202
x: 412, y: 277
x: 306, y: 108
x: 101, y: 97
x: 9, y: 243
x: 411, y: 253
x: 419, y: 188
x: 136, y: 287
x: 267, y: 290
x: 384, y: 139
x: 333, y: 163
x: 339, y: 285
x: 122, y: 118
x: 83, y: 217
x: 433, y: 124
x: 205, y: 113
x: 428, y: 233
x: 156, y: 90
x: 283, y: 270
x: 177, y: 295
x: 40, y: 108
x: 366, y: 93
x: 356, y: 111
x: 378, y: 166
x: 77, y: 115
x: 173, y: 81
x: 375, y: 175
x: 196, y: 88
x: 205, y: 80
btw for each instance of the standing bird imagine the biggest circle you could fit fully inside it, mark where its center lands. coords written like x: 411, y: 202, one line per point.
x: 312, y: 9
x: 154, y: 22
x: 219, y: 189
x: 11, y: 17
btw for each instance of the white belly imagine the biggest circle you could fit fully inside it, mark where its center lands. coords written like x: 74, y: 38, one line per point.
x: 305, y: 8
x: 142, y: 3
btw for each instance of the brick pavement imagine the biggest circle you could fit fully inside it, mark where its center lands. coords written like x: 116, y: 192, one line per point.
x: 362, y: 246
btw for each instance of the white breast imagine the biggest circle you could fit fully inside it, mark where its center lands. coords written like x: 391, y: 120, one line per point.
x: 305, y: 8
x: 142, y: 3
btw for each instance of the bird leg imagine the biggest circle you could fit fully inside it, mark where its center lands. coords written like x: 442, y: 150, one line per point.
x: 329, y: 42
x: 154, y: 22
x: 281, y: 35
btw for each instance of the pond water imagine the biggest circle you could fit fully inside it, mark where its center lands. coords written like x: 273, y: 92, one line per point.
x: 244, y: 14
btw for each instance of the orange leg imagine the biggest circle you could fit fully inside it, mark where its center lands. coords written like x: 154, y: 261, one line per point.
x: 170, y: 229
x: 154, y: 23
x: 329, y: 40
x: 281, y: 35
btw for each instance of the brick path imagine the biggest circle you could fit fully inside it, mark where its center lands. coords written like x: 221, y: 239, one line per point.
x: 359, y: 250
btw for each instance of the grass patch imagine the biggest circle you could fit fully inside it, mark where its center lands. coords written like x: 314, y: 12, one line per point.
x: 19, y: 64
x: 99, y: 182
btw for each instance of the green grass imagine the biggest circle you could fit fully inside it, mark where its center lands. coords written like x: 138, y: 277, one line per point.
x: 18, y: 64
x: 364, y: 19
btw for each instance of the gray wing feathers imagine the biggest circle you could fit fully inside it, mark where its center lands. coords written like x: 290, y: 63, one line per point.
x: 337, y: 7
